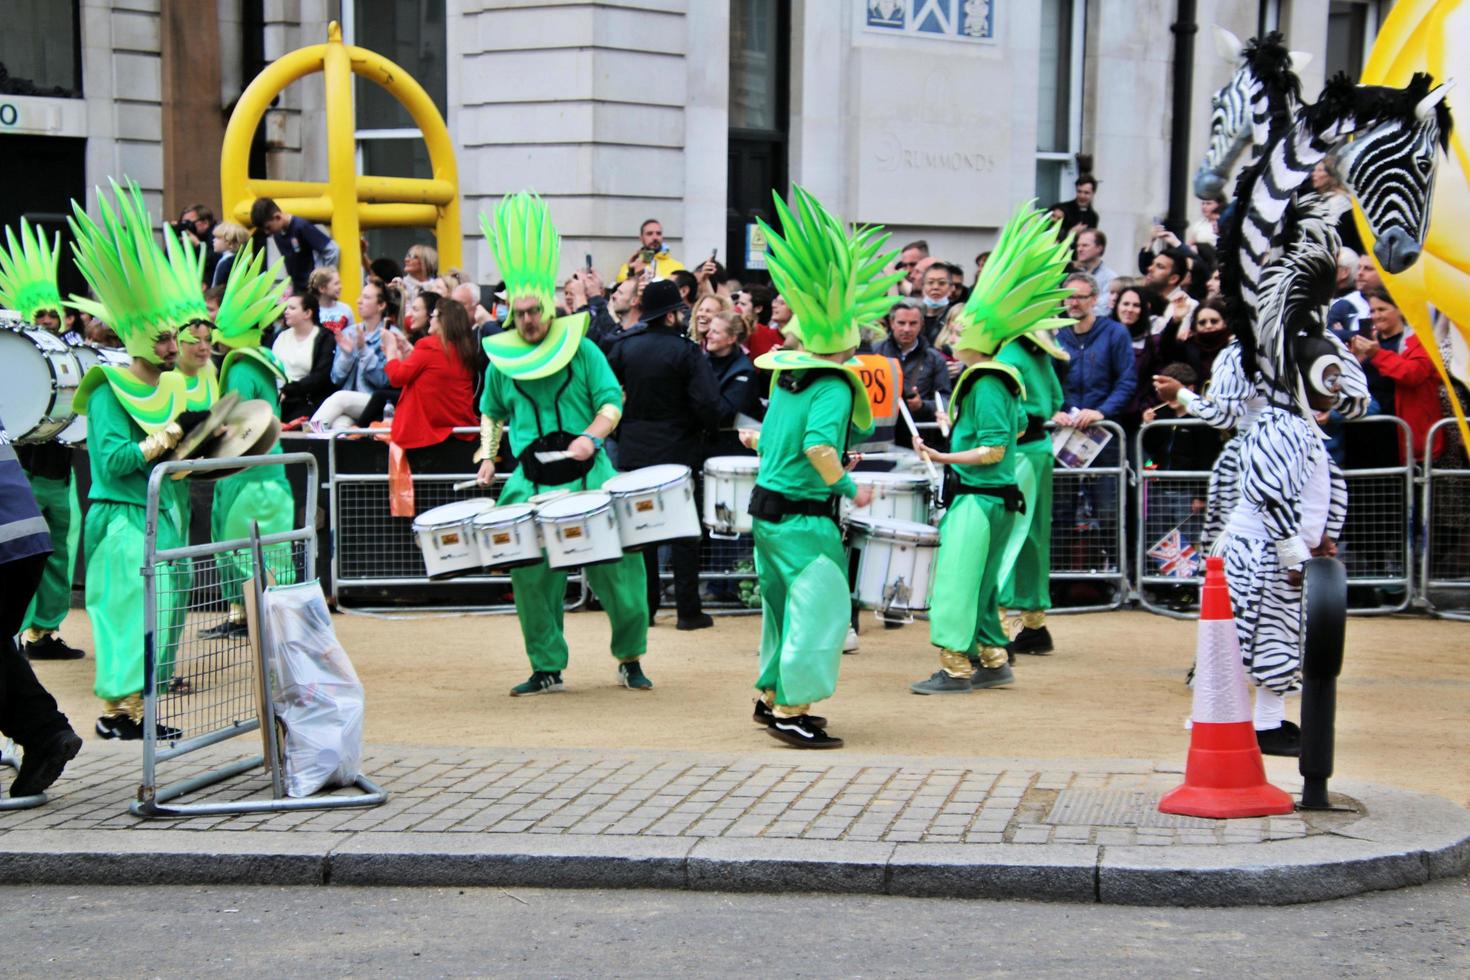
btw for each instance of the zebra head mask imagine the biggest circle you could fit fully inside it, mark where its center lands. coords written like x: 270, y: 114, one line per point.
x: 1290, y: 350
x: 1260, y: 99
x: 1390, y: 162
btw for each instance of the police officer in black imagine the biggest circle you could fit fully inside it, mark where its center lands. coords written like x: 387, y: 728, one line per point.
x: 670, y: 400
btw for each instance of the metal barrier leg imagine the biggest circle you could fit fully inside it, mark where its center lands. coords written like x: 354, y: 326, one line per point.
x: 8, y: 759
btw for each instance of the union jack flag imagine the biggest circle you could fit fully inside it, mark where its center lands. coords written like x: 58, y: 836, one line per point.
x: 1176, y: 556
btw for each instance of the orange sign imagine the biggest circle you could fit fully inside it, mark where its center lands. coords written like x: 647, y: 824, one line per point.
x: 883, y: 377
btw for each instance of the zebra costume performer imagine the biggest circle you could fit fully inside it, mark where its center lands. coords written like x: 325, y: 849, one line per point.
x: 28, y: 286
x: 1292, y: 502
x: 991, y: 486
x: 134, y: 416
x: 552, y: 389
x: 834, y: 282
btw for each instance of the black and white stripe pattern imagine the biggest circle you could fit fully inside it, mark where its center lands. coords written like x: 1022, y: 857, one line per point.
x: 1260, y: 100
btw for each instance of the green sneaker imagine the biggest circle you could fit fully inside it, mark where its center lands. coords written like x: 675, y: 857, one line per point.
x: 991, y: 677
x: 942, y: 683
x: 630, y: 672
x: 540, y: 682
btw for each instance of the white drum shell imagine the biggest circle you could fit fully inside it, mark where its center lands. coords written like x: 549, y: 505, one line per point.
x: 89, y: 357
x: 728, y: 484
x: 654, y: 504
x: 896, y: 497
x: 579, y: 529
x: 508, y: 536
x: 895, y: 564
x: 39, y: 377
x: 446, y: 536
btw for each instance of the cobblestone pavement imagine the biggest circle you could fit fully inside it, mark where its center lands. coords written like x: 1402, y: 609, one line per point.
x: 767, y: 796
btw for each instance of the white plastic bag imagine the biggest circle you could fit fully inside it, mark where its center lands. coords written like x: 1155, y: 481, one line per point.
x: 316, y: 693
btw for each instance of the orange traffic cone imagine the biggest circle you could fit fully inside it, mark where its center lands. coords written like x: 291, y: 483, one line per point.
x: 1224, y: 776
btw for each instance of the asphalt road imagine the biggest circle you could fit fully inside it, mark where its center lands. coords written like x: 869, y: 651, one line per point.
x: 262, y: 931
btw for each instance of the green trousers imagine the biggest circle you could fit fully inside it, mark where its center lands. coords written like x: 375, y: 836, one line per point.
x: 115, y: 594
x: 1026, y: 577
x: 964, y: 601
x: 238, y: 500
x: 805, y: 607
x: 540, y: 591
x: 53, y: 595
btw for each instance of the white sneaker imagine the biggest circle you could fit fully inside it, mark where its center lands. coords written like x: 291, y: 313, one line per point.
x: 850, y: 645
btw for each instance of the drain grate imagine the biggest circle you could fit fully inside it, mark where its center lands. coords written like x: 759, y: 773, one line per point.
x: 1118, y: 808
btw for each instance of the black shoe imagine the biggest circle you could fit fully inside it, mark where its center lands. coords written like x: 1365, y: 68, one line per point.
x: 540, y: 682
x: 1286, y: 740
x: 1033, y: 641
x: 763, y: 715
x: 893, y: 624
x: 701, y: 622
x: 631, y: 676
x: 225, y: 631
x: 43, y: 763
x: 125, y: 729
x: 51, y: 647
x: 803, y: 733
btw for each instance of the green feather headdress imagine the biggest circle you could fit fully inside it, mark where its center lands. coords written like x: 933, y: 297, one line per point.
x: 142, y: 293
x: 1020, y: 289
x: 526, y: 248
x: 28, y: 272
x: 833, y: 281
x: 252, y: 300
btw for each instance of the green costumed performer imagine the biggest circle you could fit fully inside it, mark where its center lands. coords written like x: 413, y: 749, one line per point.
x: 135, y: 415
x: 553, y: 390
x: 201, y: 391
x: 261, y: 494
x: 28, y: 286
x: 834, y: 283
x: 1017, y: 293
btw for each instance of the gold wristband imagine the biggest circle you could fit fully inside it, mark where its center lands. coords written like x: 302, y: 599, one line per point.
x: 491, y: 431
x: 160, y: 442
x: 990, y: 454
x: 826, y: 462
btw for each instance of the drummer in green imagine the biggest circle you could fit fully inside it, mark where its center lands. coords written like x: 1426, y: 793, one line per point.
x: 135, y: 415
x: 28, y: 286
x: 1018, y: 292
x: 259, y: 494
x: 553, y: 390
x: 834, y: 283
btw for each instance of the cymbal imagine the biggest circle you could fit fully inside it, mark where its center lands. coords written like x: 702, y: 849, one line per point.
x: 251, y: 429
x: 188, y: 446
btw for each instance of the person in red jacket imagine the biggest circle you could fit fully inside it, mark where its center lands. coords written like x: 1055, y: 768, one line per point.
x: 437, y: 379
x: 1407, y: 384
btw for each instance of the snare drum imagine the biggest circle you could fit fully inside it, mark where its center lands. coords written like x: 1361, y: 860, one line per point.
x: 654, y: 504
x: 39, y: 376
x: 507, y: 536
x: 89, y: 357
x: 896, y: 496
x: 546, y: 497
x: 728, y: 483
x: 579, y: 529
x: 446, y: 536
x: 895, y: 565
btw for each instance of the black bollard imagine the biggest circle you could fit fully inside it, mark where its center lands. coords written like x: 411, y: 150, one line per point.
x: 1324, y: 626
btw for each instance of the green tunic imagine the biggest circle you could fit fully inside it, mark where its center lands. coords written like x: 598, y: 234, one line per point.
x: 964, y: 613
x: 260, y: 493
x: 800, y: 560
x: 530, y: 408
x: 115, y: 528
x: 1026, y: 568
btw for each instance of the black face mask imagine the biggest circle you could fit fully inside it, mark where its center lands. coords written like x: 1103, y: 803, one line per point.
x: 1212, y: 342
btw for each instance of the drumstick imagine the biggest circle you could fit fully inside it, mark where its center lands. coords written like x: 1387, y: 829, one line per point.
x: 908, y: 420
x: 940, y: 413
x: 466, y: 484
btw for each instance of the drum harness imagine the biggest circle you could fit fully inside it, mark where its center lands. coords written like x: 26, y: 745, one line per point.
x: 771, y: 505
x: 562, y: 471
x: 1011, y: 494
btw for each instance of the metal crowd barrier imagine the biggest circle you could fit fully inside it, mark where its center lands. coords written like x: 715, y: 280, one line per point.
x: 1376, y: 544
x: 200, y: 690
x: 375, y: 555
x: 1444, y: 573
x: 1088, y: 532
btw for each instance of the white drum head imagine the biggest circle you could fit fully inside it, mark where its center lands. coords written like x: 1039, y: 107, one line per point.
x: 895, y: 530
x: 906, y: 481
x: 574, y: 505
x: 455, y: 513
x: 546, y: 497
x: 647, y: 478
x: 732, y: 465
x: 506, y: 514
x: 25, y: 381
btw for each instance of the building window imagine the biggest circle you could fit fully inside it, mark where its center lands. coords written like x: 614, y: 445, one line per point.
x: 1352, y: 26
x: 1059, y: 108
x: 411, y: 33
x: 760, y: 87
x: 41, y: 49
